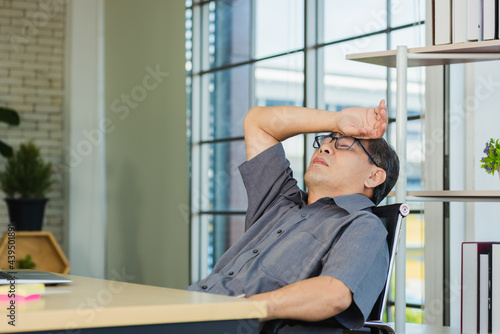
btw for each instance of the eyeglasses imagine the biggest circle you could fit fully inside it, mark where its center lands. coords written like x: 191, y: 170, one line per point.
x: 341, y: 143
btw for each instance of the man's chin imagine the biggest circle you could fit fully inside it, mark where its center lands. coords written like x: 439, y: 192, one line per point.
x: 311, y: 179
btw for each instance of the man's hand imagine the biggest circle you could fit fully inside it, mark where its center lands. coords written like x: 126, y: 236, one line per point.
x: 363, y: 123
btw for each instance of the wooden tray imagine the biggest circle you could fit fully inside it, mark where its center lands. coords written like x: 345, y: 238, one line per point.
x: 43, y: 248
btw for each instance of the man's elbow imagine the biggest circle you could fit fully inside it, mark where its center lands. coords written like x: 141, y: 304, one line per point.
x: 330, y: 307
x: 341, y: 300
x: 251, y: 117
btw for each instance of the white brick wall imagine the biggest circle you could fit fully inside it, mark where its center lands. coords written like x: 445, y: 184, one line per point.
x: 31, y: 81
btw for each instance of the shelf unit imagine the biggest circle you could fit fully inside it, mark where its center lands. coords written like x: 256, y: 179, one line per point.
x: 452, y: 196
x: 435, y: 55
x: 401, y: 59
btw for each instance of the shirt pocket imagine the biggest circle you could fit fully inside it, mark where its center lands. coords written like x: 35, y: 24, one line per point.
x: 293, y: 257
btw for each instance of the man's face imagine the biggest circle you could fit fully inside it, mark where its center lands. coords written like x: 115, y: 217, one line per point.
x: 338, y: 172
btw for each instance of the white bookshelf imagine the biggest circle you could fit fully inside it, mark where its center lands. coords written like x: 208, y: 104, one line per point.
x: 455, y: 196
x: 452, y: 195
x: 435, y: 55
x: 401, y: 59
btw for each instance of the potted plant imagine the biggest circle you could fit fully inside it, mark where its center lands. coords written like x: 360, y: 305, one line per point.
x: 491, y: 162
x: 10, y: 117
x: 26, y: 263
x: 25, y: 182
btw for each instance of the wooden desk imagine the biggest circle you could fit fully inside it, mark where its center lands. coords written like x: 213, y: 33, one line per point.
x: 101, y: 306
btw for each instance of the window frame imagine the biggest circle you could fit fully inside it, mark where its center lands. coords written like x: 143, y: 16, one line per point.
x: 313, y: 51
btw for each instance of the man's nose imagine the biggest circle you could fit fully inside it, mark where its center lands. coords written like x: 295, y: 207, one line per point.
x: 327, y: 147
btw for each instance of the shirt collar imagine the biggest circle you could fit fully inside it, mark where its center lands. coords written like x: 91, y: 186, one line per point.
x: 351, y: 203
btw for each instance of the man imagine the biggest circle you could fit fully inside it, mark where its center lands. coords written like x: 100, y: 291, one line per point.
x: 320, y: 254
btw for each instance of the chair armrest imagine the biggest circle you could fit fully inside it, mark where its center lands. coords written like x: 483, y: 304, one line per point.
x: 382, y: 327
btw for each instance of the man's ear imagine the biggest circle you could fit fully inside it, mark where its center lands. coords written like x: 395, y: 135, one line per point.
x: 377, y: 176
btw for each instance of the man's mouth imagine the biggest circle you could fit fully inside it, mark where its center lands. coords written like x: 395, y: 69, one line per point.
x: 320, y: 161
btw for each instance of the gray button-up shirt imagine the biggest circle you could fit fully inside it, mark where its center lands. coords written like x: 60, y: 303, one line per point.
x: 287, y: 240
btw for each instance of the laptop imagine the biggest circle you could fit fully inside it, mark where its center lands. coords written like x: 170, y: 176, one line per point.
x: 31, y: 276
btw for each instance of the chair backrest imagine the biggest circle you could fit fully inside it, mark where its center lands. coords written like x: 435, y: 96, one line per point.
x: 392, y: 217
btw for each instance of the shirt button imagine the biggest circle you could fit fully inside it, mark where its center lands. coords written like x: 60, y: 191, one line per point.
x: 255, y: 251
x: 231, y: 272
x: 204, y: 287
x: 303, y: 214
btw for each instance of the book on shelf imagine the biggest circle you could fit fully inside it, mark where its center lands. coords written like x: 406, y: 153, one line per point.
x: 459, y: 21
x: 489, y: 17
x: 442, y: 21
x: 497, y: 19
x: 484, y: 293
x: 480, y: 287
x: 495, y: 288
x: 474, y: 14
x: 468, y: 318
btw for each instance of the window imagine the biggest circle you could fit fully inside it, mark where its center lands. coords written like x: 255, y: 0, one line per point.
x: 242, y: 53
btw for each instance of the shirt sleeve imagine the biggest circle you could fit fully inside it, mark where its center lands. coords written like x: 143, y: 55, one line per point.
x: 266, y: 177
x: 360, y: 259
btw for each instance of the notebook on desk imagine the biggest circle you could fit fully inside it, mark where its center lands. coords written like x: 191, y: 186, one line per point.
x: 30, y: 276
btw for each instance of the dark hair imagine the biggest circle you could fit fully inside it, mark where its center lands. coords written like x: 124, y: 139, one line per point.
x: 386, y: 157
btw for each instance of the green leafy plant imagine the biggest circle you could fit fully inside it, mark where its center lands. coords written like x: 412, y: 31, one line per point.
x: 26, y: 263
x: 492, y: 159
x: 26, y: 174
x: 10, y: 117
